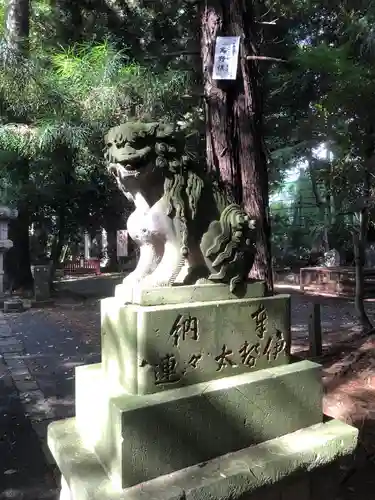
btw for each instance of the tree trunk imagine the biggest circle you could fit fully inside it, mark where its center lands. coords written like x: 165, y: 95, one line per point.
x: 20, y: 268
x: 235, y: 146
x: 17, y: 26
x: 16, y: 34
x: 359, y: 257
x: 321, y: 205
x: 58, y: 243
x: 69, y: 20
x: 327, y: 215
x: 360, y: 240
x: 112, y: 248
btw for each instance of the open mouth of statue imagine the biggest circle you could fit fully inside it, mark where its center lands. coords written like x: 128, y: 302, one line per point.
x: 130, y: 167
x: 129, y: 170
x: 120, y: 171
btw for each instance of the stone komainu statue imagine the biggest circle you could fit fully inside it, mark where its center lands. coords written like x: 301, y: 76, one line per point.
x: 182, y: 218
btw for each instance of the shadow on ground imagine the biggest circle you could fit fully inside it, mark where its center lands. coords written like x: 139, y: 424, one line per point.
x: 24, y: 473
x: 359, y: 481
x: 349, y: 386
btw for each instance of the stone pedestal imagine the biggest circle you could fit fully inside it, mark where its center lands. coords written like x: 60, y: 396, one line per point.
x: 6, y: 214
x: 196, y: 398
x: 41, y: 275
x: 159, y: 342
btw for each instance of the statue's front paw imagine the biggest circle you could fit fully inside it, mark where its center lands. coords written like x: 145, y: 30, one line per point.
x: 154, y: 281
x: 203, y: 281
x: 130, y: 280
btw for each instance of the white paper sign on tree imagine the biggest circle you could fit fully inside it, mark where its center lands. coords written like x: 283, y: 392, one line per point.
x: 226, y: 57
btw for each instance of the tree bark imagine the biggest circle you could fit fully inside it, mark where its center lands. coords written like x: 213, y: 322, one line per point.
x: 17, y: 26
x: 20, y: 264
x: 58, y: 243
x: 69, y: 20
x: 234, y: 109
x: 321, y: 205
x: 20, y: 271
x: 359, y: 257
x: 360, y: 237
x: 16, y: 34
x: 359, y: 240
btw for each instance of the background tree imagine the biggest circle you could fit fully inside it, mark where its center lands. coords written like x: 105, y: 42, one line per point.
x: 55, y: 110
x: 234, y: 120
x: 140, y: 59
x: 15, y: 53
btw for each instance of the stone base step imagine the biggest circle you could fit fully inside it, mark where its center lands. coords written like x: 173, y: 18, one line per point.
x: 304, y: 465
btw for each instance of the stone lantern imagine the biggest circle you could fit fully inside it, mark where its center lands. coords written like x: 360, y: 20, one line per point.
x: 6, y: 214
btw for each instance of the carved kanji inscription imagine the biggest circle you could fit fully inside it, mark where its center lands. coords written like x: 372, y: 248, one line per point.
x: 184, y: 327
x: 270, y: 348
x: 166, y: 370
x: 261, y: 320
x: 224, y: 358
x: 277, y: 346
x: 249, y: 353
x: 194, y: 360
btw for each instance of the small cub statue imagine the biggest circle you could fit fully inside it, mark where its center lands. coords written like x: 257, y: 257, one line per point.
x: 183, y: 217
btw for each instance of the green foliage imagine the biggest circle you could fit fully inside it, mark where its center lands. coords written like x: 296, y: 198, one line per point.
x: 326, y: 94
x: 111, y: 63
x: 56, y: 108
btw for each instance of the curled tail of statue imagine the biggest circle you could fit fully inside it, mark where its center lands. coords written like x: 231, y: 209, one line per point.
x: 228, y: 246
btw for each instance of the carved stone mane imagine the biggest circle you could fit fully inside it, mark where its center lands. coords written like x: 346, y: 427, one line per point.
x: 182, y: 216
